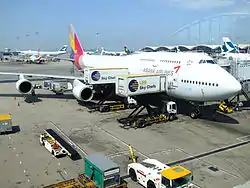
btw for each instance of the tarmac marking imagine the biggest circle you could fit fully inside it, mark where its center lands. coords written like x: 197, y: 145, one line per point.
x: 243, y: 138
x: 69, y: 140
x: 210, y: 152
x: 117, y: 154
x: 203, y: 160
x: 123, y: 142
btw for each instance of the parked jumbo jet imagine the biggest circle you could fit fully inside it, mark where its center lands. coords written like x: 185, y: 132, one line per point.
x: 230, y: 51
x: 62, y: 50
x: 191, y: 77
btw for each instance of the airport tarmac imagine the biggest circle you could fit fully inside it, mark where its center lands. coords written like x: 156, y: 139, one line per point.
x: 27, y: 164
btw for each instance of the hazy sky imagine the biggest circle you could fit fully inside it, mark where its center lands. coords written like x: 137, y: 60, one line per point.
x: 32, y: 24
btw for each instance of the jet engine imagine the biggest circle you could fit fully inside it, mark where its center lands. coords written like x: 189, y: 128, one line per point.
x: 23, y: 85
x: 81, y: 91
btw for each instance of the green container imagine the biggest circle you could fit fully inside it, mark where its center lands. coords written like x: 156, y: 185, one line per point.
x: 104, y: 172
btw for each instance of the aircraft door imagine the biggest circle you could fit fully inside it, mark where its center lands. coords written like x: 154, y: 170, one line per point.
x: 155, y: 64
x: 173, y: 81
x: 163, y: 83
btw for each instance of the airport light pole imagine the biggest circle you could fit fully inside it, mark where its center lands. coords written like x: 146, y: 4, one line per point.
x: 189, y: 34
x: 199, y: 33
x: 210, y: 28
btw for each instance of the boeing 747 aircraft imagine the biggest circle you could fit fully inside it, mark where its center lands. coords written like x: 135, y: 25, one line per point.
x: 62, y: 50
x: 192, y: 77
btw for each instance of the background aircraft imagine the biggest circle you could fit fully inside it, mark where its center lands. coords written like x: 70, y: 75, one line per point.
x: 62, y: 50
x: 230, y: 50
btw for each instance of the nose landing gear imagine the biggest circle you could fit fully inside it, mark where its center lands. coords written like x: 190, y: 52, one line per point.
x: 195, y: 114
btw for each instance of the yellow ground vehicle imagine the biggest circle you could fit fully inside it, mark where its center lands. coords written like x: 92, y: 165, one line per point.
x: 5, y: 123
x: 151, y: 173
x: 224, y: 108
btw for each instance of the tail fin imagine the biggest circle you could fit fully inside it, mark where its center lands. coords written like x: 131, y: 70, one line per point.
x: 228, y: 46
x: 126, y: 50
x: 75, y: 46
x: 63, y: 48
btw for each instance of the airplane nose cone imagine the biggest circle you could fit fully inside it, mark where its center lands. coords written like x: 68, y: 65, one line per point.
x: 234, y: 86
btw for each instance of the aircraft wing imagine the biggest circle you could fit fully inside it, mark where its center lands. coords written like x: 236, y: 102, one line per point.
x: 61, y: 58
x: 64, y: 58
x: 42, y: 75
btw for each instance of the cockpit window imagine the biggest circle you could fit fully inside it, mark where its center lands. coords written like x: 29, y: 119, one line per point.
x: 210, y: 61
x: 202, y: 61
x: 207, y: 61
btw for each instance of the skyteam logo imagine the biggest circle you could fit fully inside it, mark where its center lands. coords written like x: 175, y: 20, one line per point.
x: 95, y: 75
x: 133, y: 85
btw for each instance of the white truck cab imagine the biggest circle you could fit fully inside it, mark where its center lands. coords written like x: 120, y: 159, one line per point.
x: 151, y: 173
x: 172, y: 107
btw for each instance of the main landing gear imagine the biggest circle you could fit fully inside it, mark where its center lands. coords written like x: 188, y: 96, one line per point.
x: 196, y: 113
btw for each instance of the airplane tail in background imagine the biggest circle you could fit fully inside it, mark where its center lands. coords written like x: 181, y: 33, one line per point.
x: 75, y: 46
x: 63, y: 48
x: 228, y: 46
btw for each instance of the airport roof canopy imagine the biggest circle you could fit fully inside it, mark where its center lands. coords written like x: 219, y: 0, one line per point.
x: 202, y: 47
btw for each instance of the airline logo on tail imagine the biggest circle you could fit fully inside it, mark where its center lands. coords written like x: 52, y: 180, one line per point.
x: 228, y: 46
x: 64, y: 48
x: 76, y: 47
x: 74, y: 42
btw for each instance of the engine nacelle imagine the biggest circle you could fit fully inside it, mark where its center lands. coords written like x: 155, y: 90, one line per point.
x: 24, y: 86
x: 81, y: 91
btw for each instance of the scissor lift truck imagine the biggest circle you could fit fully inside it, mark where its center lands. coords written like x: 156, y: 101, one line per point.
x: 112, y: 106
x: 5, y: 123
x: 151, y: 173
x: 154, y: 115
x: 139, y: 85
x: 100, y: 172
x: 56, y: 145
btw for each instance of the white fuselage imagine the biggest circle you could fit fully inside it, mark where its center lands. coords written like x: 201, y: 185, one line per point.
x: 237, y: 56
x: 31, y: 52
x: 196, y: 80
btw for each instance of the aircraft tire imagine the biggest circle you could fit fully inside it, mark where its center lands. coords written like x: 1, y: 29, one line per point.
x: 171, y: 118
x: 132, y: 175
x: 193, y: 115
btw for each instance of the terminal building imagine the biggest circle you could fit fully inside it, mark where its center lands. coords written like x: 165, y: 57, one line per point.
x: 244, y: 48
